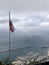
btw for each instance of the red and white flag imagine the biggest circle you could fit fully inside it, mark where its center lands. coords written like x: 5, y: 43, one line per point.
x: 11, y: 26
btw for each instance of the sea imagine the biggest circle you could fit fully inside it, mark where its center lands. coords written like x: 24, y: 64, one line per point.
x: 18, y: 52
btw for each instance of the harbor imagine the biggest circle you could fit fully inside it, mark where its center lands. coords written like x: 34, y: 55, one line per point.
x: 26, y: 56
x: 28, y: 60
x: 32, y: 58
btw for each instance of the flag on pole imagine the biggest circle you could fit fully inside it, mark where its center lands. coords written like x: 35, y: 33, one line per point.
x: 11, y: 26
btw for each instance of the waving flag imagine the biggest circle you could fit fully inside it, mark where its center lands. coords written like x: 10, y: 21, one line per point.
x: 11, y: 26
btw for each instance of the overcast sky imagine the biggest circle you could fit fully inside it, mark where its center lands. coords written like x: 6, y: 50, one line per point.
x: 30, y: 18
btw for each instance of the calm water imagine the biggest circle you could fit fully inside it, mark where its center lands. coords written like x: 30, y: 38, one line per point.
x: 19, y: 52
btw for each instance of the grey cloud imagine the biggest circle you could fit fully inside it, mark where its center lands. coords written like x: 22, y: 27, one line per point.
x: 3, y: 21
x: 35, y: 37
x: 34, y: 20
x: 20, y: 39
x: 24, y: 5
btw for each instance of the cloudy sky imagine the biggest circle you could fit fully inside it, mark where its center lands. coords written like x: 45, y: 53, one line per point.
x: 30, y: 19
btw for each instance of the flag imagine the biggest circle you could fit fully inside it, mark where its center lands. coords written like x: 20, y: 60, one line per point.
x: 11, y: 26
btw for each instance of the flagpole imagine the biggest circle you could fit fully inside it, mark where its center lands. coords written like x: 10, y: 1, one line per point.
x: 11, y: 28
x: 9, y: 38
